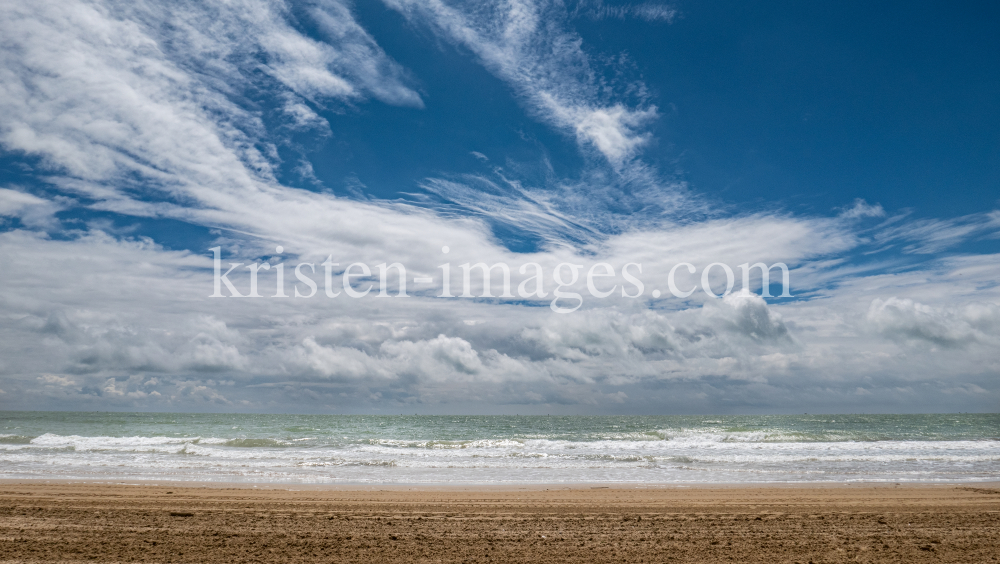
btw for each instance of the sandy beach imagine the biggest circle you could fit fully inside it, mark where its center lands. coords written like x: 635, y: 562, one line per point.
x: 102, y: 522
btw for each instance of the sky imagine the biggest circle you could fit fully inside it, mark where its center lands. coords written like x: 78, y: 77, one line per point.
x: 857, y: 145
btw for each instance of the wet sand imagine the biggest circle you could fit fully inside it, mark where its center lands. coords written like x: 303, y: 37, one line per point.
x: 91, y: 522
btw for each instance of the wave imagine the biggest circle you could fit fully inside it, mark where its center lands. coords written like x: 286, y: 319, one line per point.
x: 674, y: 443
x: 386, y: 449
x: 448, y: 444
x: 257, y: 443
x: 15, y: 439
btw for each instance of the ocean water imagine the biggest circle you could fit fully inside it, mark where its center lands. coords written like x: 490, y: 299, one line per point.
x: 357, y: 449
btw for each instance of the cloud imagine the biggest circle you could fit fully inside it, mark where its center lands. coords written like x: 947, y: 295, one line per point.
x: 511, y: 205
x: 862, y: 209
x: 600, y: 203
x: 929, y: 236
x: 302, y: 118
x: 748, y: 315
x: 32, y: 211
x: 529, y: 46
x: 909, y: 321
x: 453, y: 353
x: 611, y: 130
x: 150, y: 328
x: 55, y: 380
x: 648, y: 11
x: 234, y: 39
x: 117, y: 91
x: 144, y: 124
x: 148, y: 124
x: 360, y: 58
x: 734, y: 326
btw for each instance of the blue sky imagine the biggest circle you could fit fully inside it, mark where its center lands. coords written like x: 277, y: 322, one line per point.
x: 802, y: 106
x: 859, y: 145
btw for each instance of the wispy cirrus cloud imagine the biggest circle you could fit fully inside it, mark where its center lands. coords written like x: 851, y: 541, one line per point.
x: 530, y: 46
x: 649, y: 11
x: 32, y: 211
x: 127, y: 91
x: 933, y: 235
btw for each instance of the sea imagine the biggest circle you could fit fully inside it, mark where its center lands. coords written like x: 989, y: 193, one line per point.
x: 497, y: 450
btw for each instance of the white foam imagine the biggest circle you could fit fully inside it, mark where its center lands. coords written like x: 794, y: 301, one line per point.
x: 671, y: 456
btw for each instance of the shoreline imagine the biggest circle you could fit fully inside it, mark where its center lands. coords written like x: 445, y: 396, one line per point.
x: 540, y: 486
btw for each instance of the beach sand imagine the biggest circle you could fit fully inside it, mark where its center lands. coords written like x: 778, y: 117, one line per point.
x: 102, y: 522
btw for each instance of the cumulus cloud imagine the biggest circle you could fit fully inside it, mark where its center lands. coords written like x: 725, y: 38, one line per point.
x: 748, y: 315
x: 734, y: 326
x: 152, y: 329
x: 910, y: 321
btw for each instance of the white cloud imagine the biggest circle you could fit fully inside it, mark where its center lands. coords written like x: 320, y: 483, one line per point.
x: 303, y: 118
x: 735, y: 326
x: 599, y: 10
x: 528, y: 45
x: 611, y: 130
x: 109, y: 91
x: 55, y: 380
x: 909, y: 321
x: 862, y: 209
x: 932, y: 235
x: 34, y: 212
x: 150, y: 328
x: 238, y: 37
x: 453, y: 353
x: 359, y: 57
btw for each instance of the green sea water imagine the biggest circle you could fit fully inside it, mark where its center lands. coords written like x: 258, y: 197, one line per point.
x: 499, y: 449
